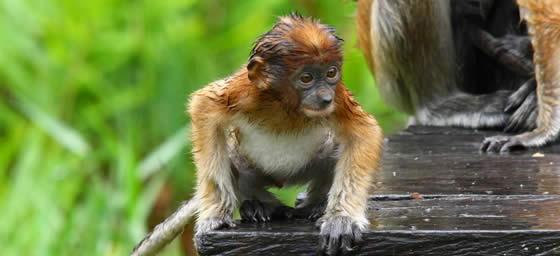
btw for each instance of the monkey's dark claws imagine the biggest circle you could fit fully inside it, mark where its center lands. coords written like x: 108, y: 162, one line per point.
x: 259, y: 212
x: 254, y: 211
x: 500, y: 144
x: 340, y: 235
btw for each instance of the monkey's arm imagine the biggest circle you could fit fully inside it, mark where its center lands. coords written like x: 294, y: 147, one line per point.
x: 215, y: 191
x: 511, y: 51
x: 362, y: 140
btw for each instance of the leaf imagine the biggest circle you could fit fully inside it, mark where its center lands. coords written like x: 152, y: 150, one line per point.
x: 61, y: 133
x: 164, y: 153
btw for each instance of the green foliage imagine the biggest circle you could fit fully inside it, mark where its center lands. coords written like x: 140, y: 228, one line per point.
x: 92, y: 116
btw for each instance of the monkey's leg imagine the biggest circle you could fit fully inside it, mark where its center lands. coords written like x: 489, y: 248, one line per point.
x: 315, y: 202
x: 257, y: 203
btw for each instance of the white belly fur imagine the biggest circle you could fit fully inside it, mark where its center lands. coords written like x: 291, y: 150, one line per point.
x: 278, y: 155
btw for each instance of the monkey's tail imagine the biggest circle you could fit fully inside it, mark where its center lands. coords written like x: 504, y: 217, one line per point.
x: 166, y: 231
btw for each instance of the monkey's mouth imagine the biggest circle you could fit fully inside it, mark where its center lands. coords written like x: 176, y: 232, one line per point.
x: 318, y: 112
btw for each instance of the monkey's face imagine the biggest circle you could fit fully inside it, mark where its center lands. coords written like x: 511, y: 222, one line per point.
x: 316, y: 86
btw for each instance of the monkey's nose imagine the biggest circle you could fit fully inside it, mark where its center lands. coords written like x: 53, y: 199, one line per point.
x: 326, y: 99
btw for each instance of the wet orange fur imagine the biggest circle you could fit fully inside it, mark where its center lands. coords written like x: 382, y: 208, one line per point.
x: 543, y: 17
x: 293, y: 42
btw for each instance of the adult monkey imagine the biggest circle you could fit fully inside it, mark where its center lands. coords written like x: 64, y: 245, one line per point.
x: 451, y: 62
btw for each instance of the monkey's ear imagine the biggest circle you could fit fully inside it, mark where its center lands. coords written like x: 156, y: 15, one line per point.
x: 255, y: 72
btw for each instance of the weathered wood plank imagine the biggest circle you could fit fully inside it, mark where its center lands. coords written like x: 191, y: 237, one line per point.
x: 450, y: 225
x: 390, y: 243
x: 473, y: 203
x: 447, y: 161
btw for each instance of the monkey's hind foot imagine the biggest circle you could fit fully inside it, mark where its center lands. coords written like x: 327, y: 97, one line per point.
x: 259, y: 212
x: 311, y: 212
x: 214, y: 223
x: 501, y: 143
x: 340, y: 235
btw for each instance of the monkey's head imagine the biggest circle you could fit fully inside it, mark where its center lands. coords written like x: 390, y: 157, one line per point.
x: 300, y: 60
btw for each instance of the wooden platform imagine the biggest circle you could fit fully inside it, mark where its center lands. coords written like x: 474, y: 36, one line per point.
x: 472, y: 203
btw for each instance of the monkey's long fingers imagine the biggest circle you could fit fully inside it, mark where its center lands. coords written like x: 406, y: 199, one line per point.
x: 254, y: 211
x: 493, y: 144
x: 531, y: 122
x: 520, y: 118
x: 261, y: 213
x: 166, y: 231
x: 485, y: 145
x: 246, y: 211
x: 514, y: 142
x: 520, y: 96
x: 251, y: 211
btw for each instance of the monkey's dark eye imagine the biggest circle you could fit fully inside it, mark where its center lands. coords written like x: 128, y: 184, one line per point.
x: 331, y: 73
x: 306, y: 78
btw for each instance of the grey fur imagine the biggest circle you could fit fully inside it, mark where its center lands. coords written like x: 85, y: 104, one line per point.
x: 420, y: 66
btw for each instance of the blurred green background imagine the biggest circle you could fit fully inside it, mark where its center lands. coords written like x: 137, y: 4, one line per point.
x: 93, y: 144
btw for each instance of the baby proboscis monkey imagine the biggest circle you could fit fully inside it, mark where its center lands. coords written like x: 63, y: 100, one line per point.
x: 285, y: 118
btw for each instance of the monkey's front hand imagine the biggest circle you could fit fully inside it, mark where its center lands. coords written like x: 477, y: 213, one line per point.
x: 340, y: 235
